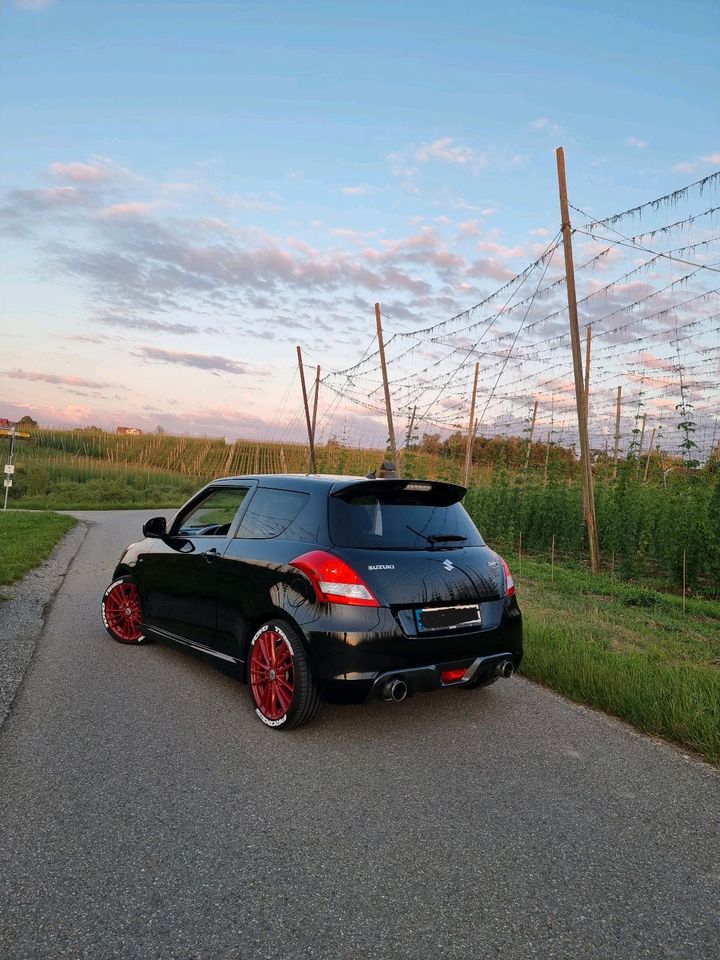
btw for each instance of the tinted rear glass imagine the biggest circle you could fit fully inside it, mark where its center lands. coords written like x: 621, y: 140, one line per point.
x: 400, y: 522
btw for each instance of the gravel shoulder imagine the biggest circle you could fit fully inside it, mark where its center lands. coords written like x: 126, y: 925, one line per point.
x: 23, y: 609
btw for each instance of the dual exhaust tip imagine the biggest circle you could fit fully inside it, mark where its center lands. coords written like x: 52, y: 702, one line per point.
x: 396, y: 689
x: 505, y: 669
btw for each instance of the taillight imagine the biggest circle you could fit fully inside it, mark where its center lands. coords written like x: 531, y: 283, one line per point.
x: 509, y: 582
x: 334, y: 581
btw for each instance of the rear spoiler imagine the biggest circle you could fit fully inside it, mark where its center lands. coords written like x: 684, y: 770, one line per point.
x: 437, y: 492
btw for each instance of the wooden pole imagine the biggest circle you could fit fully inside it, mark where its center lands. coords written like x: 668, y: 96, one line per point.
x: 408, y: 437
x: 586, y: 464
x: 649, y: 454
x: 311, y: 438
x: 315, y: 402
x: 617, y: 432
x: 642, y: 437
x: 588, y: 340
x: 471, y: 429
x: 530, y: 437
x: 586, y: 381
x: 547, y: 458
x: 383, y: 365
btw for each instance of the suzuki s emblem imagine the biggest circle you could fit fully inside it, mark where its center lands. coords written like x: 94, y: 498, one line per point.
x: 449, y: 565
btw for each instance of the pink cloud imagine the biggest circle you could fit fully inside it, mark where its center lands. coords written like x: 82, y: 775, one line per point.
x: 54, y: 378
x: 486, y: 246
x: 85, y: 173
x: 130, y: 209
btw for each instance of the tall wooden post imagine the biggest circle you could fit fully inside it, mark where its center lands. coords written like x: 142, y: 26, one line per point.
x: 383, y: 365
x: 408, y: 438
x: 588, y: 340
x: 586, y: 464
x: 649, y: 455
x: 642, y: 437
x: 617, y: 432
x: 547, y: 458
x: 311, y: 438
x: 315, y: 401
x: 471, y: 429
x: 530, y: 438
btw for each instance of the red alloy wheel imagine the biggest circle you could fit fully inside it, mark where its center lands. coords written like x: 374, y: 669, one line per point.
x: 121, y: 612
x: 272, y: 674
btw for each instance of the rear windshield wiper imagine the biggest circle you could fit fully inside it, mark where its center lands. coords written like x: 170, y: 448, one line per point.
x: 434, y: 538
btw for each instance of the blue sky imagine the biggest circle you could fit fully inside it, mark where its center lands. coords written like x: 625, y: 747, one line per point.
x: 190, y: 189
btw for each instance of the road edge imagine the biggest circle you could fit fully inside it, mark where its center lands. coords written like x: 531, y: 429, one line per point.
x: 23, y: 615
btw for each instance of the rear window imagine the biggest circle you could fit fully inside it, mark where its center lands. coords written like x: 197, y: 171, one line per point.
x: 400, y: 521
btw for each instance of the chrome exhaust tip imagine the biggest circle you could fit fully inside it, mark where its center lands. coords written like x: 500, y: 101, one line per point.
x: 394, y: 689
x: 505, y: 669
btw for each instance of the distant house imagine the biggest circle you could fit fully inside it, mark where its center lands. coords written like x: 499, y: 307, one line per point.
x: 131, y: 431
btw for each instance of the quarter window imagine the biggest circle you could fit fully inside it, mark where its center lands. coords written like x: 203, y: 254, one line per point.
x: 270, y: 513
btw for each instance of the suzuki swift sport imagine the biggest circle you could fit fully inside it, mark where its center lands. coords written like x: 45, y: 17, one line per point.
x: 323, y: 588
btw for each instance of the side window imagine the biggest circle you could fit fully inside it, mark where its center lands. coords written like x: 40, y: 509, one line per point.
x: 270, y: 513
x: 213, y: 515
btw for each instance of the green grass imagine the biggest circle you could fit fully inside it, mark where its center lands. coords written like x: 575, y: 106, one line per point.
x: 26, y: 539
x: 630, y: 651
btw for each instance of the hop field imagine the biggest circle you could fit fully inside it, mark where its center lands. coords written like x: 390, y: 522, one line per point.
x: 662, y: 527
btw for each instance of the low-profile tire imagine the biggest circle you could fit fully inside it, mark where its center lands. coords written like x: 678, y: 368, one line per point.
x: 282, y: 690
x: 120, y: 611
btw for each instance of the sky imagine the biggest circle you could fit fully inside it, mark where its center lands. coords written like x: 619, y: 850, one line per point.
x: 188, y: 190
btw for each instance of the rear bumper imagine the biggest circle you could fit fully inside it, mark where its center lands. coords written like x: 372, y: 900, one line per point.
x: 423, y: 679
x: 351, y: 665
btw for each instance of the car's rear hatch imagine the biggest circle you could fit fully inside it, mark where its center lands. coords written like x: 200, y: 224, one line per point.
x: 419, y: 552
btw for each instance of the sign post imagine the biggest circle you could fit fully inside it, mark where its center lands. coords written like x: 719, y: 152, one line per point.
x: 9, y: 470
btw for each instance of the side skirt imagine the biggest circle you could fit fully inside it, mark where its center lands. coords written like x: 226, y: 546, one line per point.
x: 200, y: 647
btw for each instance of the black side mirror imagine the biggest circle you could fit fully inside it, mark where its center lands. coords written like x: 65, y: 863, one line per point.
x: 156, y: 527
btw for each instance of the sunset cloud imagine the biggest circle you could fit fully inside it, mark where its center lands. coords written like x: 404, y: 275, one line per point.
x: 130, y: 209
x: 693, y: 166
x: 200, y: 361
x: 55, y: 378
x: 83, y: 173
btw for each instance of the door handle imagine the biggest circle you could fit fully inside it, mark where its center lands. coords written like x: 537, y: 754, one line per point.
x: 211, y: 554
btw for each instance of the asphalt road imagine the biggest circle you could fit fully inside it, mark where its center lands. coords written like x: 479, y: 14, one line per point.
x: 146, y: 813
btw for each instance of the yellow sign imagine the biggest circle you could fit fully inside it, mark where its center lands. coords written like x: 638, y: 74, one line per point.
x: 9, y: 433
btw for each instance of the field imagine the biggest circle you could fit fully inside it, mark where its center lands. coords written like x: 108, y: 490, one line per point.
x: 663, y: 529
x: 641, y: 641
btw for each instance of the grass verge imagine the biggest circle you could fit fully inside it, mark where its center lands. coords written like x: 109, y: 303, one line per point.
x: 26, y: 539
x: 630, y: 651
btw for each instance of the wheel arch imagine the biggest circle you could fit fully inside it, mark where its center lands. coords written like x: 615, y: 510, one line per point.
x: 253, y: 625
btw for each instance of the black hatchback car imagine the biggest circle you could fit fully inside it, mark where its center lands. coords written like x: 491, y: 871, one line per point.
x: 323, y: 588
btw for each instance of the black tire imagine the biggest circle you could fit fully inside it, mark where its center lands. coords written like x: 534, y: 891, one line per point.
x: 121, y: 613
x: 285, y: 698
